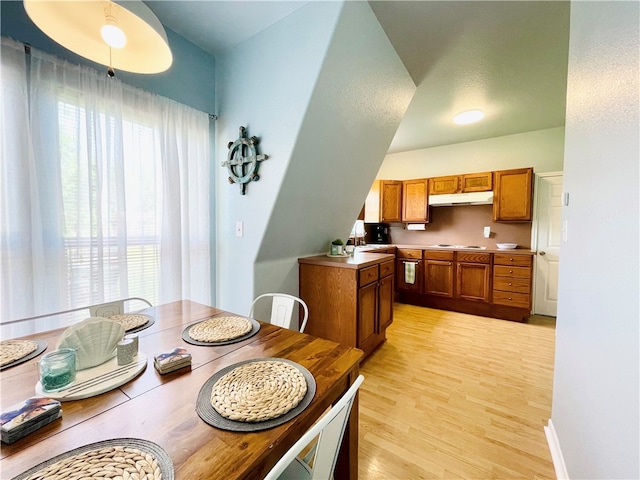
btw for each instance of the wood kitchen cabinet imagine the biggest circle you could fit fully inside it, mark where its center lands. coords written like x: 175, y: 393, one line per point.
x: 442, y: 185
x: 438, y: 273
x: 350, y: 299
x: 409, y: 258
x: 513, y: 193
x: 415, y: 200
x: 476, y: 182
x: 469, y: 182
x: 384, y: 202
x: 512, y: 275
x: 473, y: 272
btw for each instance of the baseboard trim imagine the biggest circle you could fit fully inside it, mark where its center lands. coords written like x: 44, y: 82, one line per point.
x: 556, y: 452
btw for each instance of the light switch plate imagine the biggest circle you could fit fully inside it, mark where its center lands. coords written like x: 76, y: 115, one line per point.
x: 487, y: 232
x: 239, y: 228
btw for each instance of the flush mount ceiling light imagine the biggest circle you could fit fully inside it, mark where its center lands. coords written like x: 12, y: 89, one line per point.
x: 470, y: 116
x: 124, y: 35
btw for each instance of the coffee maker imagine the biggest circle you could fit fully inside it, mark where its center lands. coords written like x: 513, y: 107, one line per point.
x: 376, y: 233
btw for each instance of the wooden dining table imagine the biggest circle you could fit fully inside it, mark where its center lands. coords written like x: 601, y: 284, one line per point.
x: 162, y: 408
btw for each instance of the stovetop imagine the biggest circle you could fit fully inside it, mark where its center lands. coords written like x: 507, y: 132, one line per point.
x: 471, y: 247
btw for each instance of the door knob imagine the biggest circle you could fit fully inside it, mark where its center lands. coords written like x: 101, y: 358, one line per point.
x: 542, y: 253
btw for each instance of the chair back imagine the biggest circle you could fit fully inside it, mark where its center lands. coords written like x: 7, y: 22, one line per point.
x: 329, y: 430
x: 282, y: 305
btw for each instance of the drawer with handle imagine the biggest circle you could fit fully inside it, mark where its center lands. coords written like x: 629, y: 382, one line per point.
x: 511, y: 299
x: 368, y: 275
x: 507, y: 284
x: 504, y: 271
x: 387, y: 268
x: 510, y: 259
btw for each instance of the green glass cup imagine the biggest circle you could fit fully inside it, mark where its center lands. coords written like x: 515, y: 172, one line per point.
x: 58, y: 369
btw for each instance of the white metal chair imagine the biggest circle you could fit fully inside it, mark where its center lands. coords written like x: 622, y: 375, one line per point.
x: 282, y: 305
x: 329, y: 430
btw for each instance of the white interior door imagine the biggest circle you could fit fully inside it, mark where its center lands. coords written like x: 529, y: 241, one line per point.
x: 547, y: 240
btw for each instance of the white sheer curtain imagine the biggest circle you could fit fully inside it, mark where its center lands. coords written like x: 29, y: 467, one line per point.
x: 104, y: 190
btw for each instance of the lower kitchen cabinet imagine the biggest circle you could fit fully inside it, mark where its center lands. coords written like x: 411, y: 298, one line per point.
x: 409, y: 270
x: 350, y: 299
x: 490, y: 284
x: 473, y: 276
x: 438, y: 273
x: 512, y: 280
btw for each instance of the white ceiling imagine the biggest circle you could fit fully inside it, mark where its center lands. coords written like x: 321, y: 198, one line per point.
x: 508, y: 58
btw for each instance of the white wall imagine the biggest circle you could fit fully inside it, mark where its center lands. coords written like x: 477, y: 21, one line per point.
x: 542, y: 149
x: 595, y: 411
x: 325, y: 92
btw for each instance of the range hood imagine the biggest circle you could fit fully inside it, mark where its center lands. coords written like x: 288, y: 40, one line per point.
x: 472, y: 198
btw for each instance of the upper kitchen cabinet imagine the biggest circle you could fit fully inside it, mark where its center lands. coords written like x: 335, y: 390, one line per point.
x: 384, y: 202
x: 512, y: 194
x: 476, y: 182
x: 442, y: 185
x: 470, y: 182
x: 415, y: 200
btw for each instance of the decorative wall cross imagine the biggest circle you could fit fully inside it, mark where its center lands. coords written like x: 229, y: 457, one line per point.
x: 243, y: 161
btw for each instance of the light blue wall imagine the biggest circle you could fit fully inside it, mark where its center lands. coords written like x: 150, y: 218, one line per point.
x: 596, y: 393
x: 325, y: 91
x: 190, y: 80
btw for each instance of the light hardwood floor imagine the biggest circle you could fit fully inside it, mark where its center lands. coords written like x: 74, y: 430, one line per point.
x: 451, y: 395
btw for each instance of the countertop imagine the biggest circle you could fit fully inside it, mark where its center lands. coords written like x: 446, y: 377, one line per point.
x: 519, y: 251
x: 358, y: 260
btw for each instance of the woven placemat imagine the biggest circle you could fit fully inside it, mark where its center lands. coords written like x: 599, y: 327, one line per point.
x: 258, y: 391
x: 208, y: 413
x: 222, y: 321
x: 126, y: 458
x: 133, y: 322
x: 15, y: 352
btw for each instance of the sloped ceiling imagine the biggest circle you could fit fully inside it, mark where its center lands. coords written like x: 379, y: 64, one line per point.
x: 507, y: 58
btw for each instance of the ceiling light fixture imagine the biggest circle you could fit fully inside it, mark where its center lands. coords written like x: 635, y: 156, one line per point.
x: 91, y: 28
x: 110, y: 32
x: 470, y: 116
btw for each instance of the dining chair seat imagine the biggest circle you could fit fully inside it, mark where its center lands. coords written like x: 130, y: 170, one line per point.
x: 282, y: 308
x: 320, y: 462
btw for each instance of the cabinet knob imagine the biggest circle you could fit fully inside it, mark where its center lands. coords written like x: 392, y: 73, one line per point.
x: 511, y: 259
x: 542, y: 253
x: 510, y: 271
x: 510, y: 298
x: 510, y: 284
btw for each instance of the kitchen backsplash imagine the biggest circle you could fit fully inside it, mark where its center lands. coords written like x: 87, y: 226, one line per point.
x: 463, y: 225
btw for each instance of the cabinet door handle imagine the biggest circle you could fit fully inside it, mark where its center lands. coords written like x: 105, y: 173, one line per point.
x: 542, y: 253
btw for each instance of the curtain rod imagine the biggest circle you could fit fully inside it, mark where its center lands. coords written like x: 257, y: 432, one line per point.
x: 27, y: 51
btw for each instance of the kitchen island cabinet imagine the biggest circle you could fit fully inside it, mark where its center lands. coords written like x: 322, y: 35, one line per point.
x: 350, y: 299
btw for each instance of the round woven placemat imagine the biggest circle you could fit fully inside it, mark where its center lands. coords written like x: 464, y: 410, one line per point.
x: 258, y: 391
x: 125, y: 458
x: 15, y: 352
x: 208, y: 413
x: 132, y: 322
x: 221, y: 328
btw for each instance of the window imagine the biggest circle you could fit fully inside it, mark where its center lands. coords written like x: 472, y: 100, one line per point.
x: 110, y: 187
